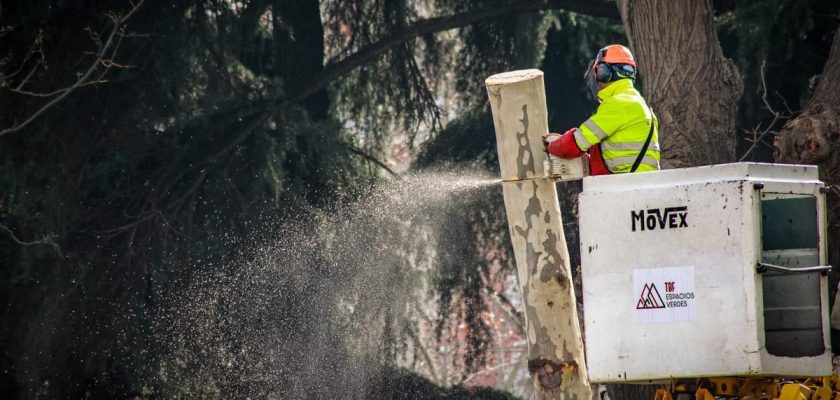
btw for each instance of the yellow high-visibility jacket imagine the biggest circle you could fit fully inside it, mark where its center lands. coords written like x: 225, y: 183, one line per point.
x: 621, y: 125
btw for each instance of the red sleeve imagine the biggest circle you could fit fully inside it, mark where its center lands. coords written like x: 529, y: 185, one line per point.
x: 565, y: 147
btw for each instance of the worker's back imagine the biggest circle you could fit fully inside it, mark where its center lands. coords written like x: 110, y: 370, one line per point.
x: 622, y: 125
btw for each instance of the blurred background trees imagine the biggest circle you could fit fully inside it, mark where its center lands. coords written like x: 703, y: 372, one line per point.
x: 145, y: 144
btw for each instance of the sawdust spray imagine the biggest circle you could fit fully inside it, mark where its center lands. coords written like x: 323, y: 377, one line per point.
x: 313, y: 307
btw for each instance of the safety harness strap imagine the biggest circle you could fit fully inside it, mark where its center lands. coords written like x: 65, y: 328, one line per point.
x: 647, y: 143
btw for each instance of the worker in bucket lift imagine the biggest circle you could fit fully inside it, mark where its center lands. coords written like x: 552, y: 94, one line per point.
x: 622, y: 135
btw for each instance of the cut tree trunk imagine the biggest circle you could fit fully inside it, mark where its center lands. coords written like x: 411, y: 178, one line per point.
x: 813, y: 137
x: 555, y: 347
x: 690, y: 85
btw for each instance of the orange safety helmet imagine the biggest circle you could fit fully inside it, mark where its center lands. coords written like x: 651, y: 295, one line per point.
x: 617, y: 54
x: 611, y: 63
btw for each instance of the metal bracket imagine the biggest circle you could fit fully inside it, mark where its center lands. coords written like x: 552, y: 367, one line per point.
x: 762, y: 267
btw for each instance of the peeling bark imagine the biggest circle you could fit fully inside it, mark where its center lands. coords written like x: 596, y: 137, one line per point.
x: 690, y: 85
x: 548, y: 373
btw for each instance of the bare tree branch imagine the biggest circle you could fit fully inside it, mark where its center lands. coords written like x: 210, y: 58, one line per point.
x: 501, y: 365
x: 371, y: 158
x: 505, y: 305
x: 425, y: 352
x: 84, y: 79
x: 35, y: 48
x: 48, y: 240
x: 759, y: 137
x: 59, y: 91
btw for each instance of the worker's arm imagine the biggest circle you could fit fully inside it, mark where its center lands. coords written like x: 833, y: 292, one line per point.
x: 606, y: 121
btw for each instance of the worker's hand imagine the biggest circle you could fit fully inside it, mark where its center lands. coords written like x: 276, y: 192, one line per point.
x: 548, y: 137
x: 565, y: 147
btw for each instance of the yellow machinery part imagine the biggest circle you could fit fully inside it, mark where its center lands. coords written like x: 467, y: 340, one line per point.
x: 725, y: 386
x: 758, y: 389
x: 818, y: 388
x: 663, y: 394
x: 795, y: 391
x: 703, y: 394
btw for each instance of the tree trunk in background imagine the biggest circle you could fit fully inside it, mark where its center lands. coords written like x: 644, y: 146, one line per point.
x: 555, y: 347
x: 690, y: 85
x: 813, y: 137
x: 299, y: 34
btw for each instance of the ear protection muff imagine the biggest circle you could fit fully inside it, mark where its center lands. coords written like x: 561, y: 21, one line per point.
x: 603, y: 71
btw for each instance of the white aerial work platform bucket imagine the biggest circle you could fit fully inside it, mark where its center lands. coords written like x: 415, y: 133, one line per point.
x: 703, y: 272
